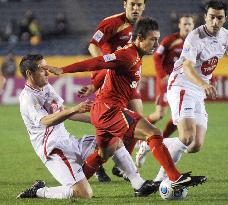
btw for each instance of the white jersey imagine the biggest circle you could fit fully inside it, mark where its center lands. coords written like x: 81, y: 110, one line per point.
x: 204, y: 50
x: 34, y: 105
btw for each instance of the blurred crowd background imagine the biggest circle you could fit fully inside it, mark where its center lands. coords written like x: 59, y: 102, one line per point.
x: 64, y: 27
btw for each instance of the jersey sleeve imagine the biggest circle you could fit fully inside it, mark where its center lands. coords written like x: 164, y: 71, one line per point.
x: 159, y: 56
x: 190, y: 48
x: 120, y: 59
x: 104, y: 32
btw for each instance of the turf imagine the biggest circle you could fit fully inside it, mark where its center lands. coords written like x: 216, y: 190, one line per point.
x: 20, y: 166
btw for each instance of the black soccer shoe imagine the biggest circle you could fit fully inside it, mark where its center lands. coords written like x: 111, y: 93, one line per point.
x: 156, y: 185
x: 117, y: 172
x: 102, y: 176
x: 146, y: 189
x: 31, y: 192
x: 187, y: 180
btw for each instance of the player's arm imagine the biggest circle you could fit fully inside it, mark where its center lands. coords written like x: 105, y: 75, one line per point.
x: 61, y: 116
x: 78, y: 116
x: 94, y: 50
x: 189, y: 70
x: 158, y: 62
x: 113, y: 61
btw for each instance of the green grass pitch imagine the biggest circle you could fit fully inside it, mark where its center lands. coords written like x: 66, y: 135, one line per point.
x: 20, y: 166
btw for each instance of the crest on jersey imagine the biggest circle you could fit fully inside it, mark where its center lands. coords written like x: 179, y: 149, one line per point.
x: 98, y: 36
x: 109, y: 57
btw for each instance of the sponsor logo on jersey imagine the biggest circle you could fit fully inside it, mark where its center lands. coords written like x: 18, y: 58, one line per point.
x: 188, y: 108
x: 109, y: 57
x: 98, y: 36
x: 208, y: 66
x: 186, y: 49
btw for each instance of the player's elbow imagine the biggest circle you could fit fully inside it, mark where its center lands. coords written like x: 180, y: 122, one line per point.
x: 46, y: 122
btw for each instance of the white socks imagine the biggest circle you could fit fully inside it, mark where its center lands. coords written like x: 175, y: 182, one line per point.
x: 176, y: 149
x: 124, y: 161
x: 59, y: 192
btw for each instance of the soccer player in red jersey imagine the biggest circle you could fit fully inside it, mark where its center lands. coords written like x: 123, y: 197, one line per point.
x: 112, y: 33
x: 165, y: 56
x: 112, y: 119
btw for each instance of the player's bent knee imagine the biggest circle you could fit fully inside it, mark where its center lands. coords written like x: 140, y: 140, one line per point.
x: 195, y: 148
x: 86, y: 194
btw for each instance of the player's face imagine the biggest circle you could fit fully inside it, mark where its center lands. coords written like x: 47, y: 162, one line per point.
x: 40, y: 76
x: 134, y: 9
x: 215, y: 19
x: 150, y: 43
x: 186, y: 25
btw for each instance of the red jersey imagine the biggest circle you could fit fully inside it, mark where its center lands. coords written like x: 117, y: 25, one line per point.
x: 112, y: 33
x: 167, y: 53
x: 122, y: 78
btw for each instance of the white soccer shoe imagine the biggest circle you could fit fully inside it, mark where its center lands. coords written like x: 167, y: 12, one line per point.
x: 141, y: 154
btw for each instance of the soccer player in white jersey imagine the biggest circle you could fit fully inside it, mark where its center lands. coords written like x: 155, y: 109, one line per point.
x: 43, y: 113
x: 189, y: 85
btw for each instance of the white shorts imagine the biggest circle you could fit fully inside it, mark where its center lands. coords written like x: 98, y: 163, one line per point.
x: 185, y: 104
x: 66, y: 160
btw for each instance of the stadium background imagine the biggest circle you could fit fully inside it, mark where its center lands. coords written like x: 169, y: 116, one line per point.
x: 61, y: 30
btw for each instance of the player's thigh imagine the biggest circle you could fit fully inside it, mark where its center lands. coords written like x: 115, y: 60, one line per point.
x: 182, y: 105
x: 136, y: 105
x: 187, y: 130
x: 82, y: 189
x: 144, y: 130
x: 64, y: 169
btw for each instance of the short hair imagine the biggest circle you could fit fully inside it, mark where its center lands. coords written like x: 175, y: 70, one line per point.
x: 218, y: 5
x: 29, y: 62
x: 185, y: 16
x: 144, y: 1
x: 143, y: 26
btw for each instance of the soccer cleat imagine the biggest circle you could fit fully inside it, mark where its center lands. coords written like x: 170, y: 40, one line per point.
x: 141, y: 154
x: 147, y: 188
x: 102, y: 176
x: 119, y: 173
x: 31, y: 192
x: 187, y: 180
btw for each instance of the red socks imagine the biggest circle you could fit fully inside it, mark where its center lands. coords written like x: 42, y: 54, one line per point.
x: 161, y: 154
x: 170, y: 128
x: 92, y: 164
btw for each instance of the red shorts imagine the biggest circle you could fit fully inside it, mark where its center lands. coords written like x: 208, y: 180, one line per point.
x: 161, y: 94
x: 112, y: 122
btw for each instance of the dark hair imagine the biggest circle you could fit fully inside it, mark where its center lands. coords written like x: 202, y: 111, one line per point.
x: 185, y: 16
x: 143, y: 26
x: 144, y: 1
x: 29, y: 62
x: 218, y: 5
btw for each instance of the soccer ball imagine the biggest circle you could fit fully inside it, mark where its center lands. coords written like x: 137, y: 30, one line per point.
x: 168, y: 193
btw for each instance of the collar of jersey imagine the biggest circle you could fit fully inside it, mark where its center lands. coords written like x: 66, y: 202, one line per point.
x: 32, y: 88
x: 206, y: 31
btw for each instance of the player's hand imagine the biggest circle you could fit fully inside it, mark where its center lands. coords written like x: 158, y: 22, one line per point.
x: 54, y: 70
x: 86, y: 91
x: 210, y: 90
x: 83, y: 107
